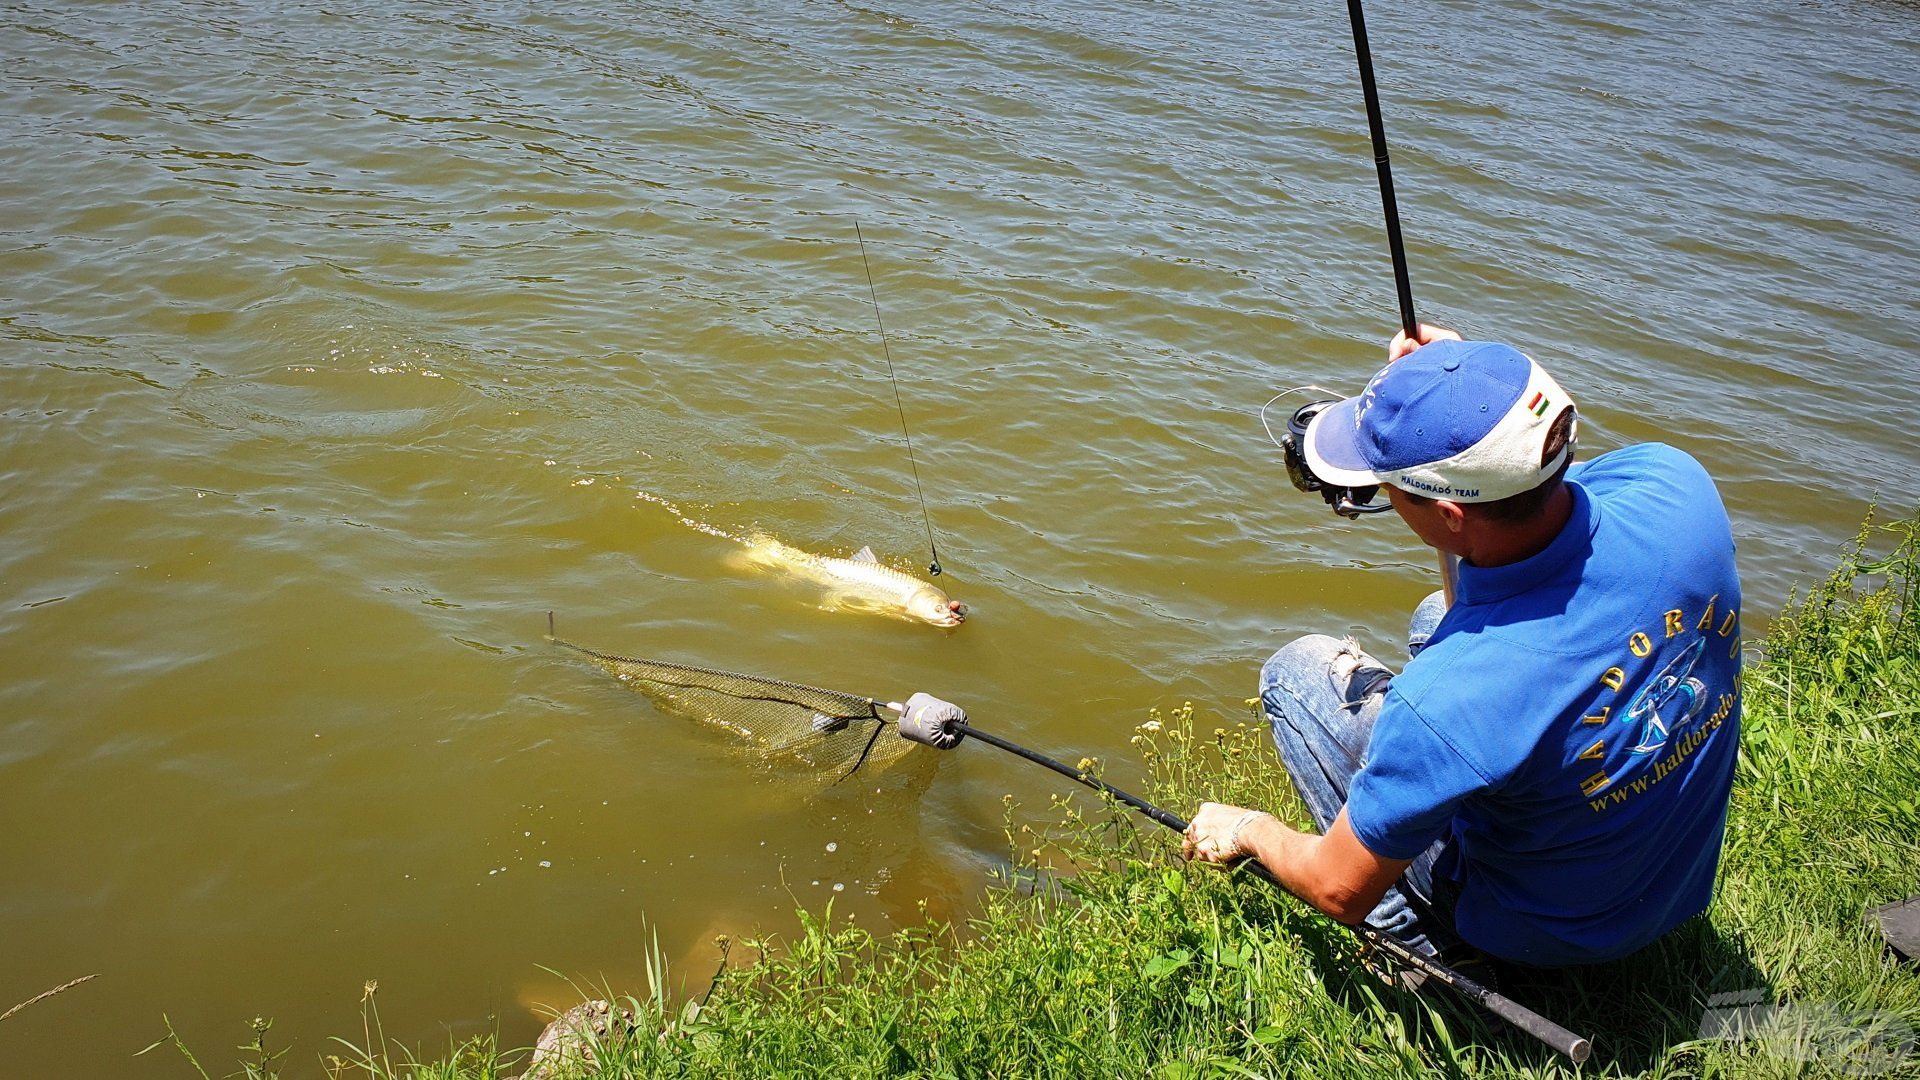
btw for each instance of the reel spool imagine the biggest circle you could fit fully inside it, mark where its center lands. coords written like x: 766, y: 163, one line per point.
x: 1348, y: 502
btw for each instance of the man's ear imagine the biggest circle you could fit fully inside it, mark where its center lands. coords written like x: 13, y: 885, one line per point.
x: 1453, y: 514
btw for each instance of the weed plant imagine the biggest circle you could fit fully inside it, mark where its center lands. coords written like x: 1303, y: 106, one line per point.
x: 1100, y: 954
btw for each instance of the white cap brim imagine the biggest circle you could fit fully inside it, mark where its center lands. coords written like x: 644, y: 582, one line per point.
x: 1332, y: 447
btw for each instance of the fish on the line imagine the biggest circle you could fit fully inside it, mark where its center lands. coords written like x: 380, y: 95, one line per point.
x: 860, y: 582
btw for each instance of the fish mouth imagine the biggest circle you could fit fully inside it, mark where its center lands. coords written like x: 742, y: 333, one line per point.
x: 941, y: 612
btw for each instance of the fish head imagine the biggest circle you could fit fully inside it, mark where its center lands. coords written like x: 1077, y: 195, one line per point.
x: 930, y: 605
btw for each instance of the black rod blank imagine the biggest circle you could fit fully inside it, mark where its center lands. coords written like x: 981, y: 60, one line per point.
x: 1376, y: 128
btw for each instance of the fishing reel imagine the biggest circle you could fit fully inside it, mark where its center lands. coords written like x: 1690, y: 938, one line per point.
x: 1348, y: 502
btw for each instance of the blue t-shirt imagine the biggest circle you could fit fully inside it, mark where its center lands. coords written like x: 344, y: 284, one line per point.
x: 1572, y: 724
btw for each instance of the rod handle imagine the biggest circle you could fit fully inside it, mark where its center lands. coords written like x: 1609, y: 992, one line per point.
x: 1449, y: 575
x: 1553, y: 1035
x: 1576, y: 1048
x: 1532, y: 1023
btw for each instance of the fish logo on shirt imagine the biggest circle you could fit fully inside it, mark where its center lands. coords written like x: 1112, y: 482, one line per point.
x: 1670, y: 703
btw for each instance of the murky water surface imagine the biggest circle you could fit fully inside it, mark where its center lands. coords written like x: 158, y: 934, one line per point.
x: 338, y: 343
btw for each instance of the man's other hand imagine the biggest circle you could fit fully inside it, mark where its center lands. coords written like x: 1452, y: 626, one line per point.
x: 1335, y: 873
x: 1216, y: 833
x: 1429, y: 333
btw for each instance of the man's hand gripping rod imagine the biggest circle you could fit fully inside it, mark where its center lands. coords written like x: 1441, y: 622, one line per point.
x: 942, y: 725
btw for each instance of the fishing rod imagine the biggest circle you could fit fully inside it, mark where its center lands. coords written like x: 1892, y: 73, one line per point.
x: 887, y: 352
x: 1390, y: 207
x: 1575, y: 1047
x: 1377, y: 130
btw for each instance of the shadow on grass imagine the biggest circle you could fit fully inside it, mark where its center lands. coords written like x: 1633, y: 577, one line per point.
x: 1634, y: 1011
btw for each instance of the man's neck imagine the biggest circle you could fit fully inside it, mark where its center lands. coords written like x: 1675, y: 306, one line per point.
x: 1498, y: 545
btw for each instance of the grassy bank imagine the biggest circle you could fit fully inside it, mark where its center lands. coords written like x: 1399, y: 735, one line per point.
x: 1138, y: 966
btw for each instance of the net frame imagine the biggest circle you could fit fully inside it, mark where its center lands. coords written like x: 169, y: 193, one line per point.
x: 676, y: 687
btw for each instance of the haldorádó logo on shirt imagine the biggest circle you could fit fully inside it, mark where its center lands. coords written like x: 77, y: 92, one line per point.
x: 1664, y: 716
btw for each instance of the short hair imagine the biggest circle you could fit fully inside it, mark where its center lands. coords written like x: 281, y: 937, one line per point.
x: 1515, y: 509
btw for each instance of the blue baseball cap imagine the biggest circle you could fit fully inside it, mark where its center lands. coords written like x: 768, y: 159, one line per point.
x: 1465, y: 421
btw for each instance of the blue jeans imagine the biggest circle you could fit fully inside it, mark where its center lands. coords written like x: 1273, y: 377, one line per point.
x: 1321, y: 696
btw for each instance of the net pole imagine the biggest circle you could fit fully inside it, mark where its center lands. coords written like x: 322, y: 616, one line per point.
x: 1575, y: 1047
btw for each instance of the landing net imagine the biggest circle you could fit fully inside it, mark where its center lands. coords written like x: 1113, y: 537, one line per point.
x: 787, y: 724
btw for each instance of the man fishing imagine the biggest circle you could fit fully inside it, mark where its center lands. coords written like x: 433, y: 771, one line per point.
x: 1547, y: 780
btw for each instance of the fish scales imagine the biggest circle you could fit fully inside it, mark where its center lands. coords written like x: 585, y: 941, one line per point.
x: 861, y: 582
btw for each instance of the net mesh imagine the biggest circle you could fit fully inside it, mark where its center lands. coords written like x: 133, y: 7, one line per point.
x: 787, y: 725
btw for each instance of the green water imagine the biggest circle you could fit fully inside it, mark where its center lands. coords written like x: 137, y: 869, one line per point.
x: 338, y: 344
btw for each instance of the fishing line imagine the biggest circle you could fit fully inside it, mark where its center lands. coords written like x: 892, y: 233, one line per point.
x: 1268, y: 427
x: 887, y: 352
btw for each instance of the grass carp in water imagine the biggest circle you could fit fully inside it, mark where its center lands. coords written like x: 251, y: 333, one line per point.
x: 860, y: 582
